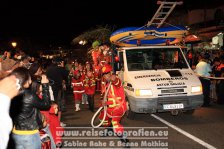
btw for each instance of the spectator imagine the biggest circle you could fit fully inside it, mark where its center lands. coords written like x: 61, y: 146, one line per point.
x: 25, y: 61
x: 55, y: 124
x: 220, y: 83
x: 28, y: 120
x: 36, y: 72
x: 56, y: 73
x: 9, y: 88
x: 65, y: 74
x: 203, y: 70
x: 9, y: 63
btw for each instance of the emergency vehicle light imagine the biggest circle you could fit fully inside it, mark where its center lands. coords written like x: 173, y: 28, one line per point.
x: 143, y: 92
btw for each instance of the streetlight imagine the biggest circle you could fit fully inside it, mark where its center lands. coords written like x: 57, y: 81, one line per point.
x: 82, y: 42
x: 14, y: 44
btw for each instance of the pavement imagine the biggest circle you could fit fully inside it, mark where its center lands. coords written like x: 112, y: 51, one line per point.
x: 202, y: 129
x: 81, y: 118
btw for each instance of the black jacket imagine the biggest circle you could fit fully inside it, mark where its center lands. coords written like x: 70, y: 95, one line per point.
x: 29, y: 116
x: 57, y: 74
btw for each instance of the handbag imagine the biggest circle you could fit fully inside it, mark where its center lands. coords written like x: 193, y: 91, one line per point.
x: 39, y: 118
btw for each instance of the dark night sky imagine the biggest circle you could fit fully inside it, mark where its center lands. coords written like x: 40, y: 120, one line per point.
x: 53, y: 22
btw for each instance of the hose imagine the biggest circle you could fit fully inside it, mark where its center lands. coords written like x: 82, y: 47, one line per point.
x: 104, y: 109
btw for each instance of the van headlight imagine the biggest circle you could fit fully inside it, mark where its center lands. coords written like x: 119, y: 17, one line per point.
x: 196, y: 89
x: 143, y: 92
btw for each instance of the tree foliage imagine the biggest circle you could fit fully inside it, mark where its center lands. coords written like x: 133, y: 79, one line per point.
x: 99, y: 33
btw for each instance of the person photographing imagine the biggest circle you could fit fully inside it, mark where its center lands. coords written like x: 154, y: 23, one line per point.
x: 26, y: 111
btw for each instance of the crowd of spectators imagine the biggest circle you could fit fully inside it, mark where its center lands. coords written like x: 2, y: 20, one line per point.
x: 210, y: 69
x: 38, y: 93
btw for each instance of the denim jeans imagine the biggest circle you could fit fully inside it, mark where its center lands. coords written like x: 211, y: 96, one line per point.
x: 84, y: 98
x: 27, y: 141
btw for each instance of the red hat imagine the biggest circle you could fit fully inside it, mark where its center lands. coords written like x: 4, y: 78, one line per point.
x: 106, y: 69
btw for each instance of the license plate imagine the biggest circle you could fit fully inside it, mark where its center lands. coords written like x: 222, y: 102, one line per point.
x: 173, y: 106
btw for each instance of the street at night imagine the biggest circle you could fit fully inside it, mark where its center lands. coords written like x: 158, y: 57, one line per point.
x: 203, y: 129
x: 86, y: 74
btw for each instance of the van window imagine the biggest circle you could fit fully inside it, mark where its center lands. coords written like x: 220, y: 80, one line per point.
x: 153, y: 59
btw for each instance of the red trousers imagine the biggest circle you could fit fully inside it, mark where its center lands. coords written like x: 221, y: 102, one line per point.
x: 113, y: 118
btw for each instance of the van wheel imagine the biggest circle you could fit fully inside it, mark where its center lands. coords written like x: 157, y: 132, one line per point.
x: 129, y: 114
x: 190, y: 112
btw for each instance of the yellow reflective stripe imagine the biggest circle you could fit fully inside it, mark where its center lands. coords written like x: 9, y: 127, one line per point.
x: 114, y: 122
x: 114, y: 103
x: 24, y: 132
x: 112, y: 90
x: 115, y: 125
x: 105, y: 121
x: 111, y: 99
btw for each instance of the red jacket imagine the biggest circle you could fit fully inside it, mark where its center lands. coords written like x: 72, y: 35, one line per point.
x: 116, y: 95
x: 96, y: 73
x: 55, y: 126
x: 219, y: 68
x: 78, y: 89
x: 89, y: 85
x: 116, y: 100
x: 77, y: 86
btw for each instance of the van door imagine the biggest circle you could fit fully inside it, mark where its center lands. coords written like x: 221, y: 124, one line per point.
x: 120, y: 66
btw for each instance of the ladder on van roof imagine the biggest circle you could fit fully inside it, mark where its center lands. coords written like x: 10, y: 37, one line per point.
x: 162, y: 12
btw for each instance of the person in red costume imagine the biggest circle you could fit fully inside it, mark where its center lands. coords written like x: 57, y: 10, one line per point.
x: 97, y: 76
x: 89, y: 86
x: 55, y: 124
x: 78, y: 89
x: 116, y: 103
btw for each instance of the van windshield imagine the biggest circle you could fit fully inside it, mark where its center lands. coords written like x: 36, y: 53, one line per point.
x: 155, y: 58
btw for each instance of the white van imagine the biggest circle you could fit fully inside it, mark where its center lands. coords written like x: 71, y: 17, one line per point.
x: 158, y: 78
